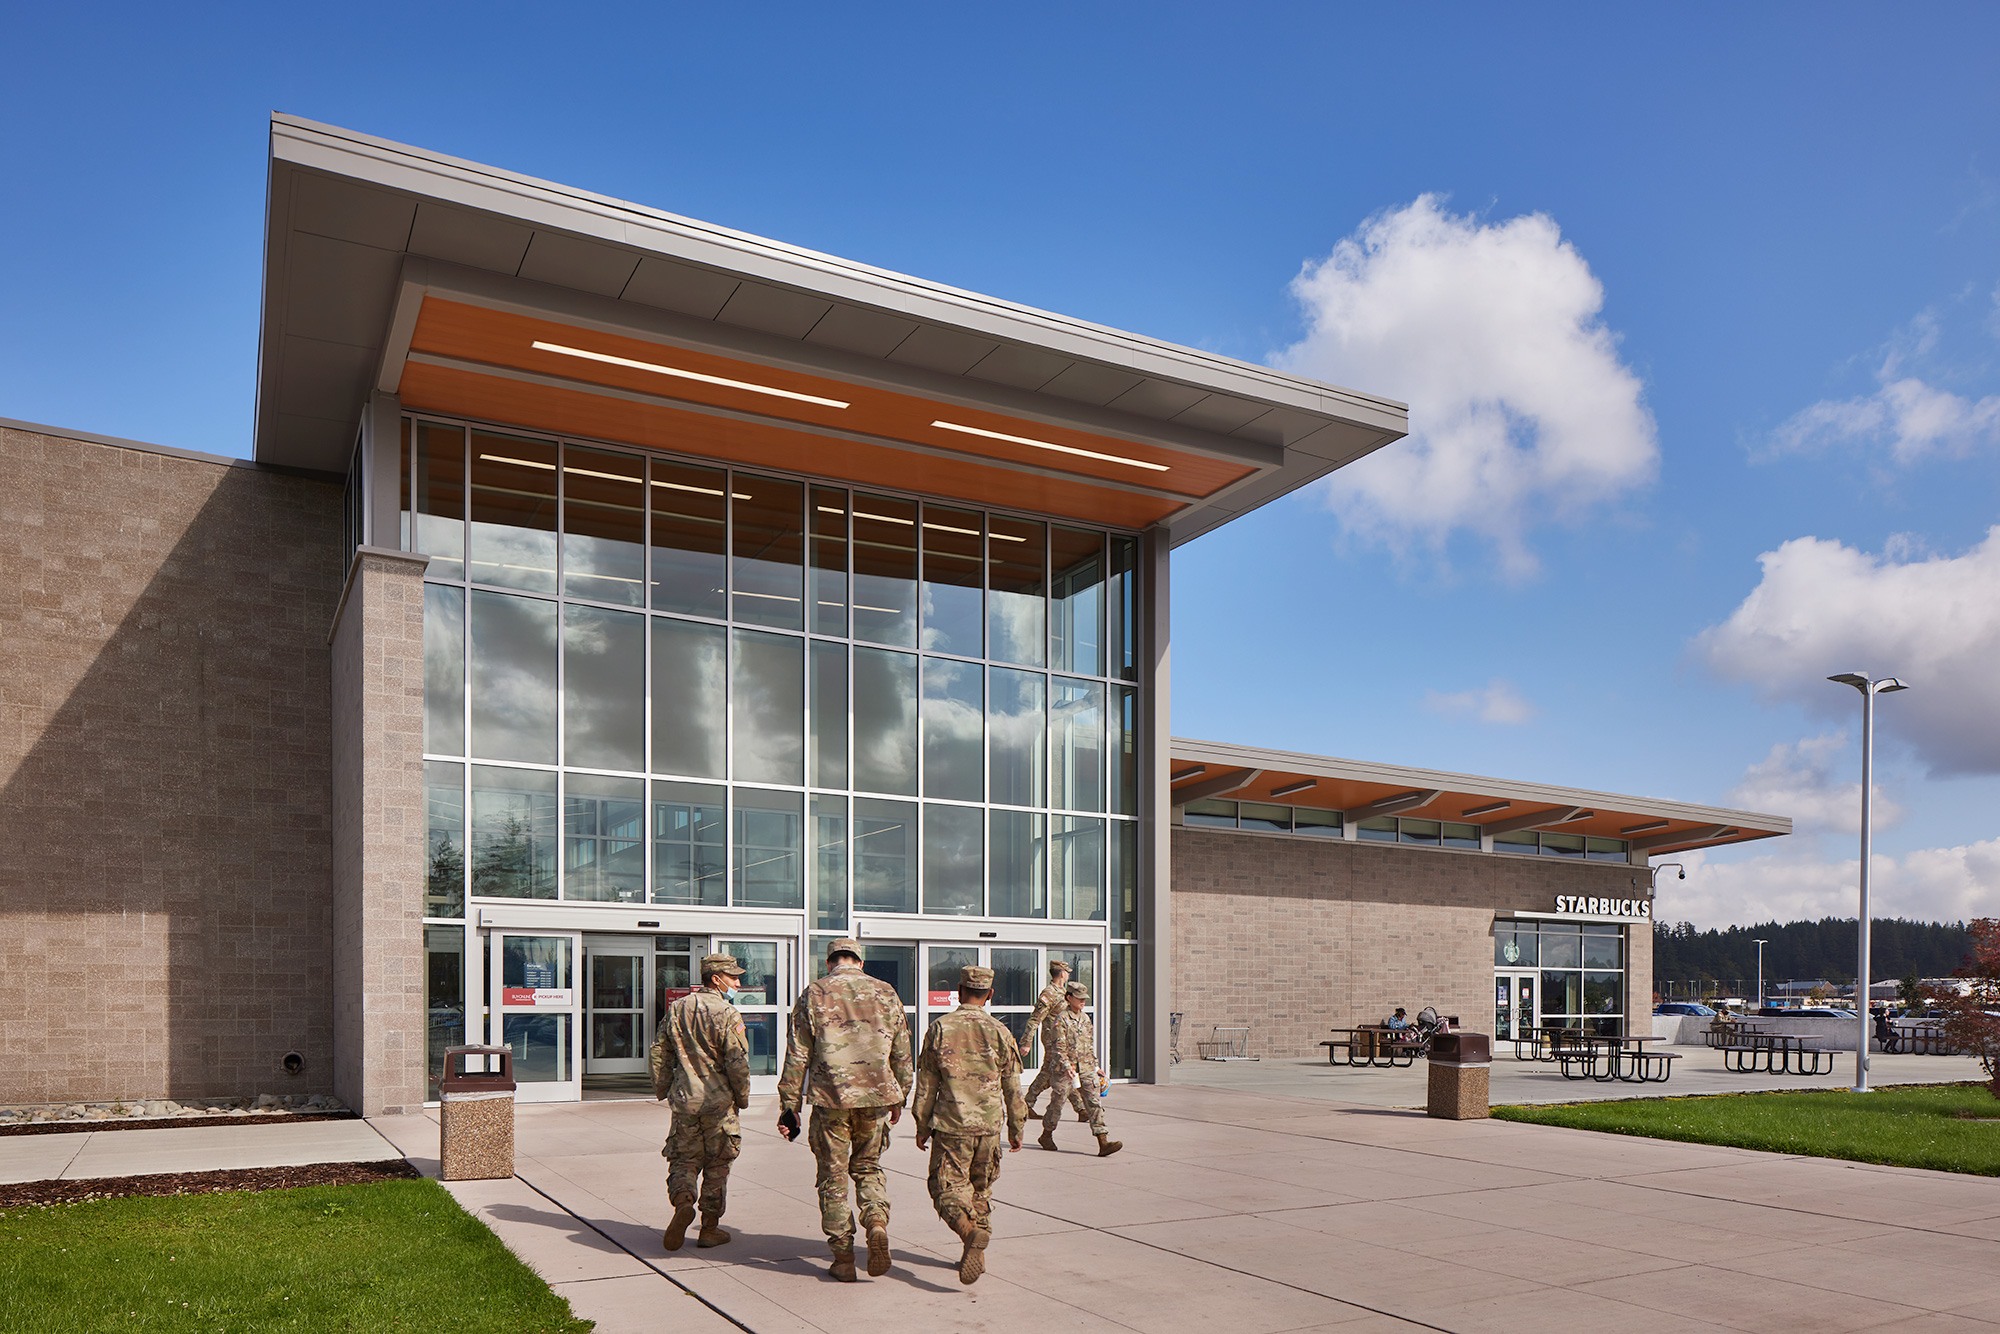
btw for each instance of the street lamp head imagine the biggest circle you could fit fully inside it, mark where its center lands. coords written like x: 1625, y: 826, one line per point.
x: 1889, y: 685
x: 1859, y: 680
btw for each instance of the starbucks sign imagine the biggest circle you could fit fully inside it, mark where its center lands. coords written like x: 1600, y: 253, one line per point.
x: 1637, y: 910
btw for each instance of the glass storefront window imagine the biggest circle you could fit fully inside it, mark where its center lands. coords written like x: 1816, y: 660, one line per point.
x: 1264, y: 818
x: 1019, y: 864
x: 513, y: 833
x: 690, y: 676
x: 1017, y: 579
x: 826, y: 759
x: 1076, y: 602
x: 444, y: 818
x: 1562, y: 845
x: 604, y: 688
x: 1423, y: 832
x: 1210, y: 813
x: 444, y: 996
x: 689, y: 852
x: 1077, y: 890
x: 954, y: 574
x: 829, y: 863
x: 440, y: 499
x: 1603, y: 947
x: 885, y: 570
x: 954, y: 712
x: 1376, y: 829
x: 1124, y: 879
x: 767, y: 528
x: 444, y: 670
x: 1322, y: 824
x: 513, y: 512
x: 1122, y: 618
x: 769, y: 849
x: 513, y: 678
x: 1606, y: 849
x: 1076, y: 745
x: 885, y: 721
x: 604, y: 839
x: 690, y: 539
x: 1560, y: 947
x: 1462, y: 836
x: 1124, y: 747
x: 1122, y: 1050
x: 826, y: 567
x: 885, y: 862
x: 604, y: 526
x: 954, y: 872
x: 1017, y: 714
x: 1515, y: 947
x: 767, y: 707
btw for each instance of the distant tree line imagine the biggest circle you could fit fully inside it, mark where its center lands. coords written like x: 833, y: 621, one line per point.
x: 1807, y: 950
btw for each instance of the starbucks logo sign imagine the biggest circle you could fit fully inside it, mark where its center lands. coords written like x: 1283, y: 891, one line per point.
x: 1511, y: 952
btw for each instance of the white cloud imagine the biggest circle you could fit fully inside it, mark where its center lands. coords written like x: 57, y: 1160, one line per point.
x: 1824, y: 607
x: 1798, y: 882
x: 1913, y: 418
x: 1804, y: 780
x: 1498, y: 703
x: 1519, y: 405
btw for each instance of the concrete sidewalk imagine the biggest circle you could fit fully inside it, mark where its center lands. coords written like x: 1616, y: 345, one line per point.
x: 117, y: 1153
x: 1261, y: 1213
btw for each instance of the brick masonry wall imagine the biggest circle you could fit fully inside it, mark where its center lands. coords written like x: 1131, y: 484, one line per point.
x: 163, y: 773
x: 378, y: 835
x: 1342, y: 933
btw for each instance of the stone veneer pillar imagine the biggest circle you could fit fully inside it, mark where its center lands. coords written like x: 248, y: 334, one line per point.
x: 379, y: 1019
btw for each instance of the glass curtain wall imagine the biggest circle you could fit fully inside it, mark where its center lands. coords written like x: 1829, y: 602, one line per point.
x: 1581, y: 967
x: 654, y: 681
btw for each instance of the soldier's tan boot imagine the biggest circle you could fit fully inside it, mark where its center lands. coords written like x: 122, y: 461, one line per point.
x: 878, y: 1249
x: 842, y: 1267
x: 677, y: 1229
x: 1106, y: 1146
x: 1083, y: 1116
x: 1048, y: 1139
x: 972, y: 1260
x: 711, y: 1231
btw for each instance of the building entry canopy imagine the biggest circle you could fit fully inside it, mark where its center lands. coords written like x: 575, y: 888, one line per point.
x: 474, y: 292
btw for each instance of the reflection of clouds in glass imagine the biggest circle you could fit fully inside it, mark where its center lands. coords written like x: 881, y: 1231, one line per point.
x: 954, y: 860
x: 1016, y: 716
x: 1077, y: 740
x: 1019, y: 864
x: 1019, y: 626
x: 603, y: 569
x: 951, y: 619
x: 514, y: 557
x: 689, y: 676
x: 953, y: 718
x: 513, y: 678
x: 1078, y: 892
x: 444, y: 670
x: 885, y: 721
x: 604, y: 688
x: 768, y: 708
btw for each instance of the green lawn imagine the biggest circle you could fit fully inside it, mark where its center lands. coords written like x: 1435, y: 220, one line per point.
x: 1912, y: 1126
x: 394, y: 1255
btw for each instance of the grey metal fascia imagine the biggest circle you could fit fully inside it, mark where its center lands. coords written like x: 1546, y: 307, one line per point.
x: 1218, y: 753
x: 395, y: 166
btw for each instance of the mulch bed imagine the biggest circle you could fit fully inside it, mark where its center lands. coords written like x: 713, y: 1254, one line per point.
x: 202, y: 1183
x: 172, y: 1122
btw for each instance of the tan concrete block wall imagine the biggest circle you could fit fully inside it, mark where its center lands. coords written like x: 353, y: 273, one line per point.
x: 378, y: 835
x: 1342, y: 933
x: 163, y: 773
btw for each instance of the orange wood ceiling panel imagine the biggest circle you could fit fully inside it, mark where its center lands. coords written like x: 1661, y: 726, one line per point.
x: 578, y: 412
x: 503, y: 338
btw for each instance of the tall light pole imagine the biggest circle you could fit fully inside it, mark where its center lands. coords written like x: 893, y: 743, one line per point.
x: 1760, y: 972
x: 1869, y: 690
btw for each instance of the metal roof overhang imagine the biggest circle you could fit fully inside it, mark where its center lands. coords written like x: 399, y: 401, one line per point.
x: 391, y: 269
x: 1249, y: 773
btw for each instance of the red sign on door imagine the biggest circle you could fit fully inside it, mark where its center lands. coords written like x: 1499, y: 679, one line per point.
x: 941, y: 999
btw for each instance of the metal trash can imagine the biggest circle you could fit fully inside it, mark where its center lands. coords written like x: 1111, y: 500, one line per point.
x: 476, y: 1116
x: 1460, y: 1076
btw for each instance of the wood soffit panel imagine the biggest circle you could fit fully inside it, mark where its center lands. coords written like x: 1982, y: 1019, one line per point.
x: 495, y: 349
x: 1350, y: 794
x: 457, y: 392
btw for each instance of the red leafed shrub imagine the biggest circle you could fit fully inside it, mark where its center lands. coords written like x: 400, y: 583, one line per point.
x: 1972, y: 1020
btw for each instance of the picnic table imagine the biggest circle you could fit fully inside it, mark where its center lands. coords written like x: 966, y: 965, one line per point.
x: 1605, y: 1058
x: 1775, y: 1053
x: 1375, y: 1045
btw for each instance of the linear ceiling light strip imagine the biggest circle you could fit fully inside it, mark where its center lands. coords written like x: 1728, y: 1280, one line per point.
x: 680, y: 374
x: 1045, y: 444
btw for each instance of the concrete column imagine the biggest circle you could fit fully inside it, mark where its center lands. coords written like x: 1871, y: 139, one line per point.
x: 1155, y: 948
x: 379, y: 1019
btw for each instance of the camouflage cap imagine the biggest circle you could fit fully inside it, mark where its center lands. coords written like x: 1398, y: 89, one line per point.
x: 720, y: 963
x: 974, y: 978
x: 1076, y: 989
x: 844, y: 945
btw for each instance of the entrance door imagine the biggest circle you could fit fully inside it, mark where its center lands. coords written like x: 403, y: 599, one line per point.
x: 766, y: 981
x: 1019, y: 973
x: 535, y: 1011
x: 1513, y: 1005
x: 615, y: 1008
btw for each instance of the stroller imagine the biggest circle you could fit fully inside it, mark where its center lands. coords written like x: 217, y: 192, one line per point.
x: 1429, y: 1024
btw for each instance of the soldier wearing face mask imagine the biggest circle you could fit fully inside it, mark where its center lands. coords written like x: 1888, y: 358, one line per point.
x: 701, y: 1068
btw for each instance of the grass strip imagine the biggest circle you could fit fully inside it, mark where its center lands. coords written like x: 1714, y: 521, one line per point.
x: 1923, y: 1125
x: 390, y: 1256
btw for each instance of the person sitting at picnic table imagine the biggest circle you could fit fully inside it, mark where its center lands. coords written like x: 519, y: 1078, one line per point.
x: 1885, y: 1031
x: 1399, y: 1020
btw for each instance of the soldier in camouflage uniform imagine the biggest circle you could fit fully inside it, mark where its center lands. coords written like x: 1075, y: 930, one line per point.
x: 848, y: 1050
x: 968, y: 1082
x: 701, y: 1068
x: 1048, y: 1009
x: 1073, y: 1066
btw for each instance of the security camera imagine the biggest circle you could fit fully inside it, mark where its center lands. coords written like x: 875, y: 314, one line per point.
x: 1683, y: 874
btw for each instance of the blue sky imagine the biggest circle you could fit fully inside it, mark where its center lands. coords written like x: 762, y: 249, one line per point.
x: 1790, y: 216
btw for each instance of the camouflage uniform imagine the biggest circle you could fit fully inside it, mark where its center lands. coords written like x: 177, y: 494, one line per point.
x: 701, y: 1068
x: 848, y: 1034
x: 1072, y: 1062
x: 968, y: 1082
x: 1048, y: 1008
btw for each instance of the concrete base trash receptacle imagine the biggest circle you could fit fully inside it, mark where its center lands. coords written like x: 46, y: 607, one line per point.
x: 1461, y: 1067
x: 476, y: 1116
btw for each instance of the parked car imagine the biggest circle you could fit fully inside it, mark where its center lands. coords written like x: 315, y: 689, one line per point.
x: 1684, y: 1007
x: 1805, y: 1012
